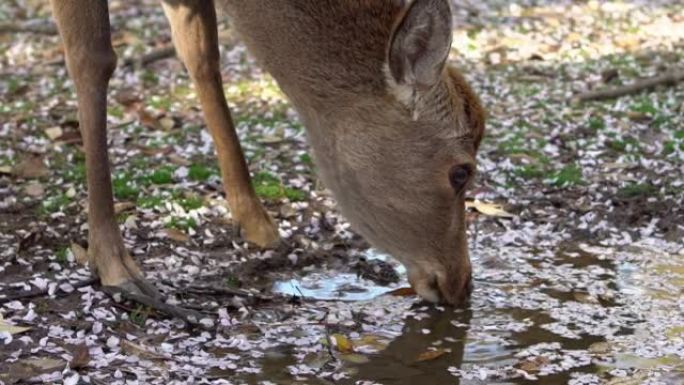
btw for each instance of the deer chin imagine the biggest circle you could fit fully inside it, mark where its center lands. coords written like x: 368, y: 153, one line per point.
x: 439, y: 284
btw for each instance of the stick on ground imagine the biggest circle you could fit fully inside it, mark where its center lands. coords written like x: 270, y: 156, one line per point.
x: 669, y: 78
x: 37, y: 26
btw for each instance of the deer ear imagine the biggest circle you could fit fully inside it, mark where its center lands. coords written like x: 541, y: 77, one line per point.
x: 420, y: 44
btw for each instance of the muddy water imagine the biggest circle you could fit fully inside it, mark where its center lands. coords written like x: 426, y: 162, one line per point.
x: 550, y: 314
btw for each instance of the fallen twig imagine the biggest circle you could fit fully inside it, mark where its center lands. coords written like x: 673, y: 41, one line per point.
x: 41, y: 292
x: 136, y: 62
x: 150, y: 57
x: 43, y: 27
x: 669, y: 78
x: 197, y: 289
x: 191, y: 317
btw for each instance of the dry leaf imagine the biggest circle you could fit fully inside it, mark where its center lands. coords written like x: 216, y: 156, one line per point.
x: 151, y: 151
x: 177, y: 159
x: 490, y: 209
x: 81, y: 356
x: 342, y: 343
x: 127, y: 96
x: 147, y: 120
x: 402, y: 292
x: 430, y: 355
x: 167, y: 123
x: 30, y: 167
x: 534, y: 364
x: 80, y: 254
x: 34, y: 189
x: 177, y: 235
x: 5, y: 170
x: 140, y: 351
x: 599, y: 348
x: 11, y: 329
x: 54, y: 132
x: 120, y: 207
x: 30, y: 367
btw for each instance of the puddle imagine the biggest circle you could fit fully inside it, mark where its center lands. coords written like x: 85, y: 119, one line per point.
x: 332, y: 285
x: 544, y: 315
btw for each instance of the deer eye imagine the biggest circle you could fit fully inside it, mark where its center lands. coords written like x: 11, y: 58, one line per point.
x: 459, y: 176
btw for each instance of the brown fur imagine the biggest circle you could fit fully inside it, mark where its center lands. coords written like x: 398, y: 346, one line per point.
x: 386, y: 120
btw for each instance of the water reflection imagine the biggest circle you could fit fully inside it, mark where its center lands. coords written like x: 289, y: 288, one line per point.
x: 407, y: 360
x: 569, y: 314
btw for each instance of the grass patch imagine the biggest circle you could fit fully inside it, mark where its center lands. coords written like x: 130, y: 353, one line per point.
x: 306, y: 159
x: 596, y: 123
x: 125, y: 187
x: 270, y: 187
x: 634, y: 190
x: 199, y: 173
x: 626, y: 144
x: 61, y: 256
x: 139, y: 315
x: 570, y: 175
x: 54, y: 204
x: 163, y: 175
x: 529, y: 171
x: 232, y: 281
x: 191, y: 203
x: 149, y: 202
x: 181, y: 223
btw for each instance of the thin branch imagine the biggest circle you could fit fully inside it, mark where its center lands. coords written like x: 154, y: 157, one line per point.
x: 669, y: 78
x: 188, y: 316
x: 42, y: 27
x: 150, y: 57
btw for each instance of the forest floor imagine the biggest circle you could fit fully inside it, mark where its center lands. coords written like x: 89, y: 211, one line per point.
x: 582, y: 284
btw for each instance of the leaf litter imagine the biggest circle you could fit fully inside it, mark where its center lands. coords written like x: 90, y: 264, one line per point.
x: 581, y: 286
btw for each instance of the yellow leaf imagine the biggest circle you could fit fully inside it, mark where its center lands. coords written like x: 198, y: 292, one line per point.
x: 342, y: 343
x: 11, y: 329
x: 490, y: 209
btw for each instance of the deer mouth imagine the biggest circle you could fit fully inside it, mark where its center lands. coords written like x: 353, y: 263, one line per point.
x: 438, y: 285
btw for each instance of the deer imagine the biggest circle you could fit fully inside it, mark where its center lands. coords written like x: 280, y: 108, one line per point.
x: 394, y: 128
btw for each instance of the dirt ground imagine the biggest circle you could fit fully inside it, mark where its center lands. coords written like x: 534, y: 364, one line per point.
x: 581, y: 284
